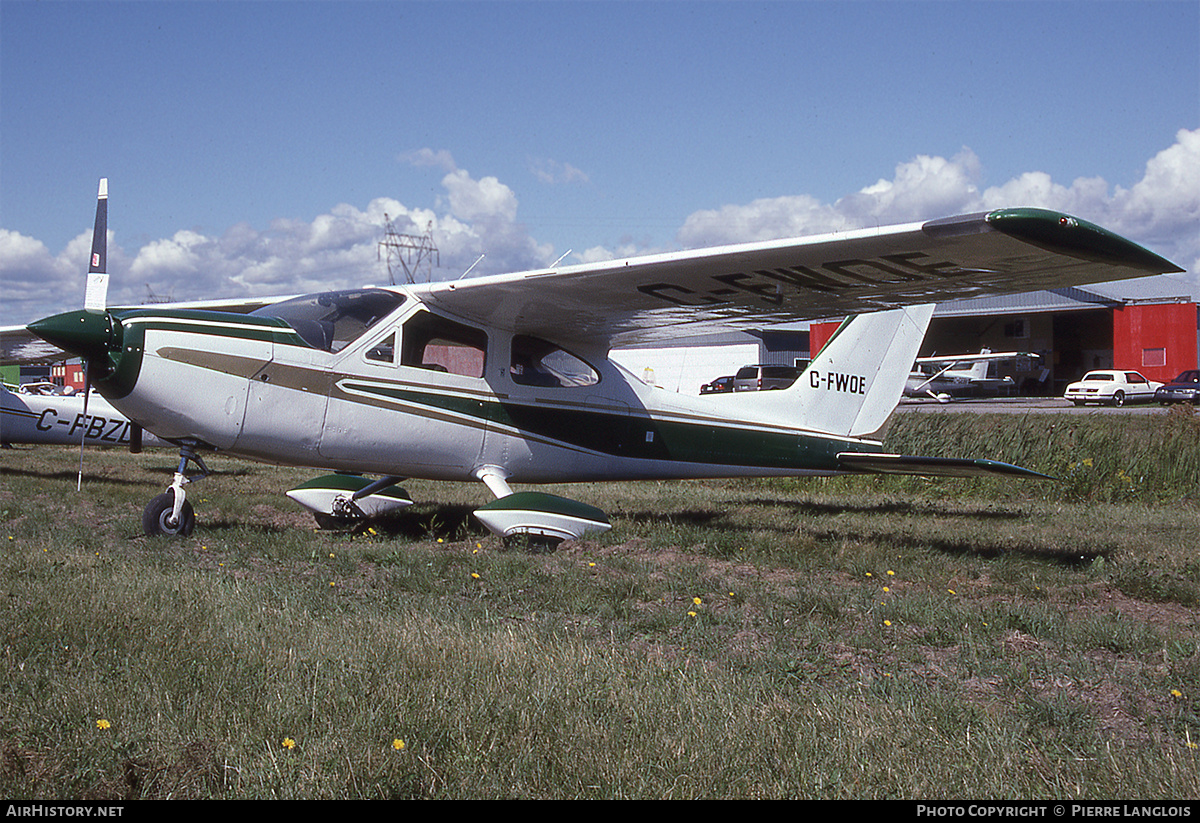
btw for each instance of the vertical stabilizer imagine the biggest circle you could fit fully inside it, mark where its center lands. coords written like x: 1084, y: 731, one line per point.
x: 96, y: 296
x: 979, y: 369
x: 854, y: 382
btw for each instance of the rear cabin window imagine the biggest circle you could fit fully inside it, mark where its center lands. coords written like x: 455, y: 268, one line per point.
x: 435, y: 343
x: 536, y: 362
x: 332, y: 320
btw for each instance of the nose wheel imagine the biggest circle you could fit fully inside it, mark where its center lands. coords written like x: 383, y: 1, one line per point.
x: 159, y: 517
x: 170, y: 513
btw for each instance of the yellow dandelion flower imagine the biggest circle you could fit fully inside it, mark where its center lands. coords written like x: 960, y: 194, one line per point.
x: 288, y: 743
x: 398, y: 744
x: 696, y: 600
x: 886, y: 590
x: 103, y: 724
x: 691, y: 614
x: 887, y: 623
x: 951, y: 591
x: 474, y: 575
x: 592, y: 564
x: 1176, y: 693
x: 891, y: 573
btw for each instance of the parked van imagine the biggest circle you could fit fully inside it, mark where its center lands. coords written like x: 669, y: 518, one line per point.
x: 763, y: 378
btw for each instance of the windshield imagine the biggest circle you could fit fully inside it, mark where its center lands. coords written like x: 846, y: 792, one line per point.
x: 331, y: 320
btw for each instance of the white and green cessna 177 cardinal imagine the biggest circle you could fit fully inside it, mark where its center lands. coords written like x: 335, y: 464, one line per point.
x: 507, y: 380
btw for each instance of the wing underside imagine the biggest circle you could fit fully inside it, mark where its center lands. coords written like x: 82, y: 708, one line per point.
x: 754, y: 285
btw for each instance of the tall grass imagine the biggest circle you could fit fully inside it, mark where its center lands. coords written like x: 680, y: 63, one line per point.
x: 841, y: 638
x: 1151, y: 457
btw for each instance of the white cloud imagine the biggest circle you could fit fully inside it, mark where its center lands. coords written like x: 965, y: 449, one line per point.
x: 28, y: 271
x: 428, y: 157
x: 554, y: 172
x: 486, y: 199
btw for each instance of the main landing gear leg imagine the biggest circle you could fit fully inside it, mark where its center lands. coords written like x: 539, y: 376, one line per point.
x: 170, y: 512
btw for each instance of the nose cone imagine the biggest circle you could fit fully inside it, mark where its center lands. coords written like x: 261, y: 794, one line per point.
x: 89, y: 334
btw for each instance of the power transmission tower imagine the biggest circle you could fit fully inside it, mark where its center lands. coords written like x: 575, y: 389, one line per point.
x: 412, y: 254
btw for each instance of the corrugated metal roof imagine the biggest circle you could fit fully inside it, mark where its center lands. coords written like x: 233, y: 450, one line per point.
x: 1160, y: 289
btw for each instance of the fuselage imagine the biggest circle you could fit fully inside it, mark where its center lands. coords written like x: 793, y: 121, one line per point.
x: 382, y: 384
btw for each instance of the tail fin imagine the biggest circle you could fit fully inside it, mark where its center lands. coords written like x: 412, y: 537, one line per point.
x: 979, y: 370
x: 854, y: 382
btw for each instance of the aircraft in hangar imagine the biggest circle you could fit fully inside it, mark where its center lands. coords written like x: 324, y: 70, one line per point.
x: 506, y: 380
x: 948, y: 377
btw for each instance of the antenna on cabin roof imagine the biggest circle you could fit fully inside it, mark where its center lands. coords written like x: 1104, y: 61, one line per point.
x: 409, y: 253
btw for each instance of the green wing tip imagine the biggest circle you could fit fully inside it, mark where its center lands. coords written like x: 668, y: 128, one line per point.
x: 1064, y: 234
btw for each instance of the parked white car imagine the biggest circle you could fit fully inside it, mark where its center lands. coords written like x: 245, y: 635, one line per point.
x: 1113, y: 386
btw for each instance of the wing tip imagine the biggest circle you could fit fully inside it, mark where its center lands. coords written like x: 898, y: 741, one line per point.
x: 1064, y: 234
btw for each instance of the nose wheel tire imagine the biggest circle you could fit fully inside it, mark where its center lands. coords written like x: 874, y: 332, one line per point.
x: 156, y: 519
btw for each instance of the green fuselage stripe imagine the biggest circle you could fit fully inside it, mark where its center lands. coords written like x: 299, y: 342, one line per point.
x: 640, y: 437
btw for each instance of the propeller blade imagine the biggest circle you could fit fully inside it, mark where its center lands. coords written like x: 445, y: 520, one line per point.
x: 96, y: 296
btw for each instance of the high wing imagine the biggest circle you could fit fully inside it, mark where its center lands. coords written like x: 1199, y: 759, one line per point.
x: 21, y: 346
x: 752, y: 285
x: 973, y: 358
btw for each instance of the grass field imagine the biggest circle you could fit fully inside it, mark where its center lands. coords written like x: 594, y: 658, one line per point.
x: 831, y: 638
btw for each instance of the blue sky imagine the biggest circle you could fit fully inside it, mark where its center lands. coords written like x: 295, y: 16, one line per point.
x: 254, y: 147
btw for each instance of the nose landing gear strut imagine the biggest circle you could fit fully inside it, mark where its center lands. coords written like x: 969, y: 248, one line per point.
x: 170, y: 513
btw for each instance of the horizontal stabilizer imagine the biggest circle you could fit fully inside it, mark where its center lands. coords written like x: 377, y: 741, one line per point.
x: 933, y: 466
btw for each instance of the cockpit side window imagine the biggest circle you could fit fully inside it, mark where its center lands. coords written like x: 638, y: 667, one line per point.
x: 384, y: 351
x: 332, y: 320
x: 429, y: 341
x: 536, y: 362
